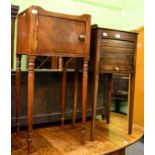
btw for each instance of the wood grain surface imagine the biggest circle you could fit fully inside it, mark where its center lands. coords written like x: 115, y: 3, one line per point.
x: 53, y: 140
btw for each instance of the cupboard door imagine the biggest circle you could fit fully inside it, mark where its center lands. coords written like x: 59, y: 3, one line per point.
x: 59, y: 35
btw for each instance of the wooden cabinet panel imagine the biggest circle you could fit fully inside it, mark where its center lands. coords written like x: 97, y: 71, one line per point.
x: 117, y: 43
x: 63, y: 33
x: 116, y: 52
x: 139, y: 79
x: 116, y: 34
x: 119, y: 59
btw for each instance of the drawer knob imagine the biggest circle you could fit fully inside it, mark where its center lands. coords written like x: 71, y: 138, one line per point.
x: 82, y: 37
x: 116, y: 68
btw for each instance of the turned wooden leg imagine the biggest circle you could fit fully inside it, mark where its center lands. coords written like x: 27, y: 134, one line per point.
x: 109, y: 97
x: 95, y: 92
x: 30, y: 97
x: 60, y: 63
x: 18, y: 70
x: 75, y: 97
x: 63, y: 95
x: 54, y: 64
x: 84, y: 100
x: 131, y: 101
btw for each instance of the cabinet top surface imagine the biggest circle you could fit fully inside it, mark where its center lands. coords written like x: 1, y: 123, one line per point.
x: 95, y: 26
x: 40, y: 11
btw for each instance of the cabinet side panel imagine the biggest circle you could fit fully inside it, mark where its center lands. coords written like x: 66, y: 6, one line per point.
x: 139, y: 81
x: 23, y: 34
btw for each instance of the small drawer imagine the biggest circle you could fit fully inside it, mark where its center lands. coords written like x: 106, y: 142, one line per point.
x: 117, y: 35
x: 115, y: 69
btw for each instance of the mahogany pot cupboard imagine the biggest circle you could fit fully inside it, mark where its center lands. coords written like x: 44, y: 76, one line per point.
x: 44, y: 33
x: 112, y: 51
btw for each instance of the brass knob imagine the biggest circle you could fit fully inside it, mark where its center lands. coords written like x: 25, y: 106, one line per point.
x: 82, y: 37
x: 116, y: 68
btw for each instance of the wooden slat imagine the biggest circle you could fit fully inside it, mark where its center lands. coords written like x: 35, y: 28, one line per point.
x: 117, y: 43
x: 116, y: 50
x: 119, y: 59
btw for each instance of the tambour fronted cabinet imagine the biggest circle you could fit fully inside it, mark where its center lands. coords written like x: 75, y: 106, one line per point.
x: 44, y: 33
x: 112, y: 51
